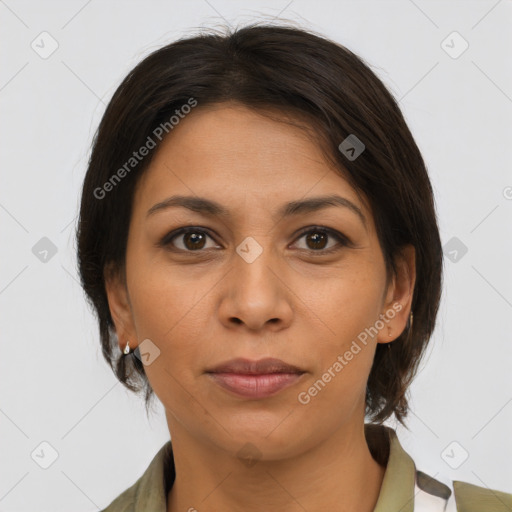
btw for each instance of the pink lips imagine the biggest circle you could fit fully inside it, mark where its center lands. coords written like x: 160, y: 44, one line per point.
x: 255, y: 379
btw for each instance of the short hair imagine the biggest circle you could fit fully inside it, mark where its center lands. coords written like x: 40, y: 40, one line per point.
x: 286, y: 70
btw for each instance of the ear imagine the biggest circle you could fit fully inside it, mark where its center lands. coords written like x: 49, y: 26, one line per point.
x: 120, y: 307
x: 397, y: 307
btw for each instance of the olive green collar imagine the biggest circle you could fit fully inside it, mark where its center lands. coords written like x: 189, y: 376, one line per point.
x: 397, y: 490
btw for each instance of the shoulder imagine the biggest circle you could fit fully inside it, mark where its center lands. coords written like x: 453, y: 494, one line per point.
x: 149, y: 492
x: 125, y: 501
x: 406, y: 486
x: 474, y: 498
x: 457, y: 496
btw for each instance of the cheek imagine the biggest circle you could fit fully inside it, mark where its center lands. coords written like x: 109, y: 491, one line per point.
x: 344, y: 311
x: 164, y: 298
x: 344, y: 303
x: 169, y: 309
x: 339, y: 387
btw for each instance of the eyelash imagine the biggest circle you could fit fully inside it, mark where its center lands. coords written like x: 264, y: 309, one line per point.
x: 342, y: 240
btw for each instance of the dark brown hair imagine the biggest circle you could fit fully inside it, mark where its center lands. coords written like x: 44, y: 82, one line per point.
x: 281, y: 69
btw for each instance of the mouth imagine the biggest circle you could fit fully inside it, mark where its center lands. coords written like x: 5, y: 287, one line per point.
x: 255, y: 379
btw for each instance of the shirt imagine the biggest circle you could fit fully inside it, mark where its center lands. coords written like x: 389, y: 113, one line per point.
x: 404, y: 488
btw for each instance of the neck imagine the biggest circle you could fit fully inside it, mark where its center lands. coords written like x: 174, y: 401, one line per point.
x: 339, y: 474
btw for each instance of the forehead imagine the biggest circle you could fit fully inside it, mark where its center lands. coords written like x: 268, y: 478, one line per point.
x: 229, y: 151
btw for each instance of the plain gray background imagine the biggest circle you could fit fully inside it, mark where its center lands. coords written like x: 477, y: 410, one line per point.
x: 57, y: 388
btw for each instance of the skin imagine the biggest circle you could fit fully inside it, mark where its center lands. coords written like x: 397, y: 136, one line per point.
x: 306, y: 309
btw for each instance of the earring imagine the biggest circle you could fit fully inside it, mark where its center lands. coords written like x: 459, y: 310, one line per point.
x: 127, y: 348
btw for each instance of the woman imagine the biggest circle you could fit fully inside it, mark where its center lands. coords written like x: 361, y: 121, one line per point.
x: 259, y: 240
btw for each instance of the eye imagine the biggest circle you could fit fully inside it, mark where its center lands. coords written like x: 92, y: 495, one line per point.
x: 192, y: 239
x: 316, y: 239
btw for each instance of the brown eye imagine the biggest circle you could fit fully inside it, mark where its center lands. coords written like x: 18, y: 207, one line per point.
x: 191, y: 239
x: 194, y: 240
x: 316, y: 240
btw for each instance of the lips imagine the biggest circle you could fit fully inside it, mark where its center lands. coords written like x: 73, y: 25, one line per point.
x: 261, y: 367
x: 255, y: 379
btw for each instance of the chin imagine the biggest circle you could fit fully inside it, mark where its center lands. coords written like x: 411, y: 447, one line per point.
x: 268, y: 438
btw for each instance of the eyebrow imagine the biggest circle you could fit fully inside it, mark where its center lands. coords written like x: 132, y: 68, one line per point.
x: 209, y: 207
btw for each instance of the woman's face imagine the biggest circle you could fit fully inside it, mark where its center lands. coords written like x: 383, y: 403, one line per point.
x: 259, y: 280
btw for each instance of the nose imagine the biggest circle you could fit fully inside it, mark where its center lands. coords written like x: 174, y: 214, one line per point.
x: 254, y: 291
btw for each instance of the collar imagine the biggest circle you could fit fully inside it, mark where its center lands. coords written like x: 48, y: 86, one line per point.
x: 397, y: 489
x: 150, y: 491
